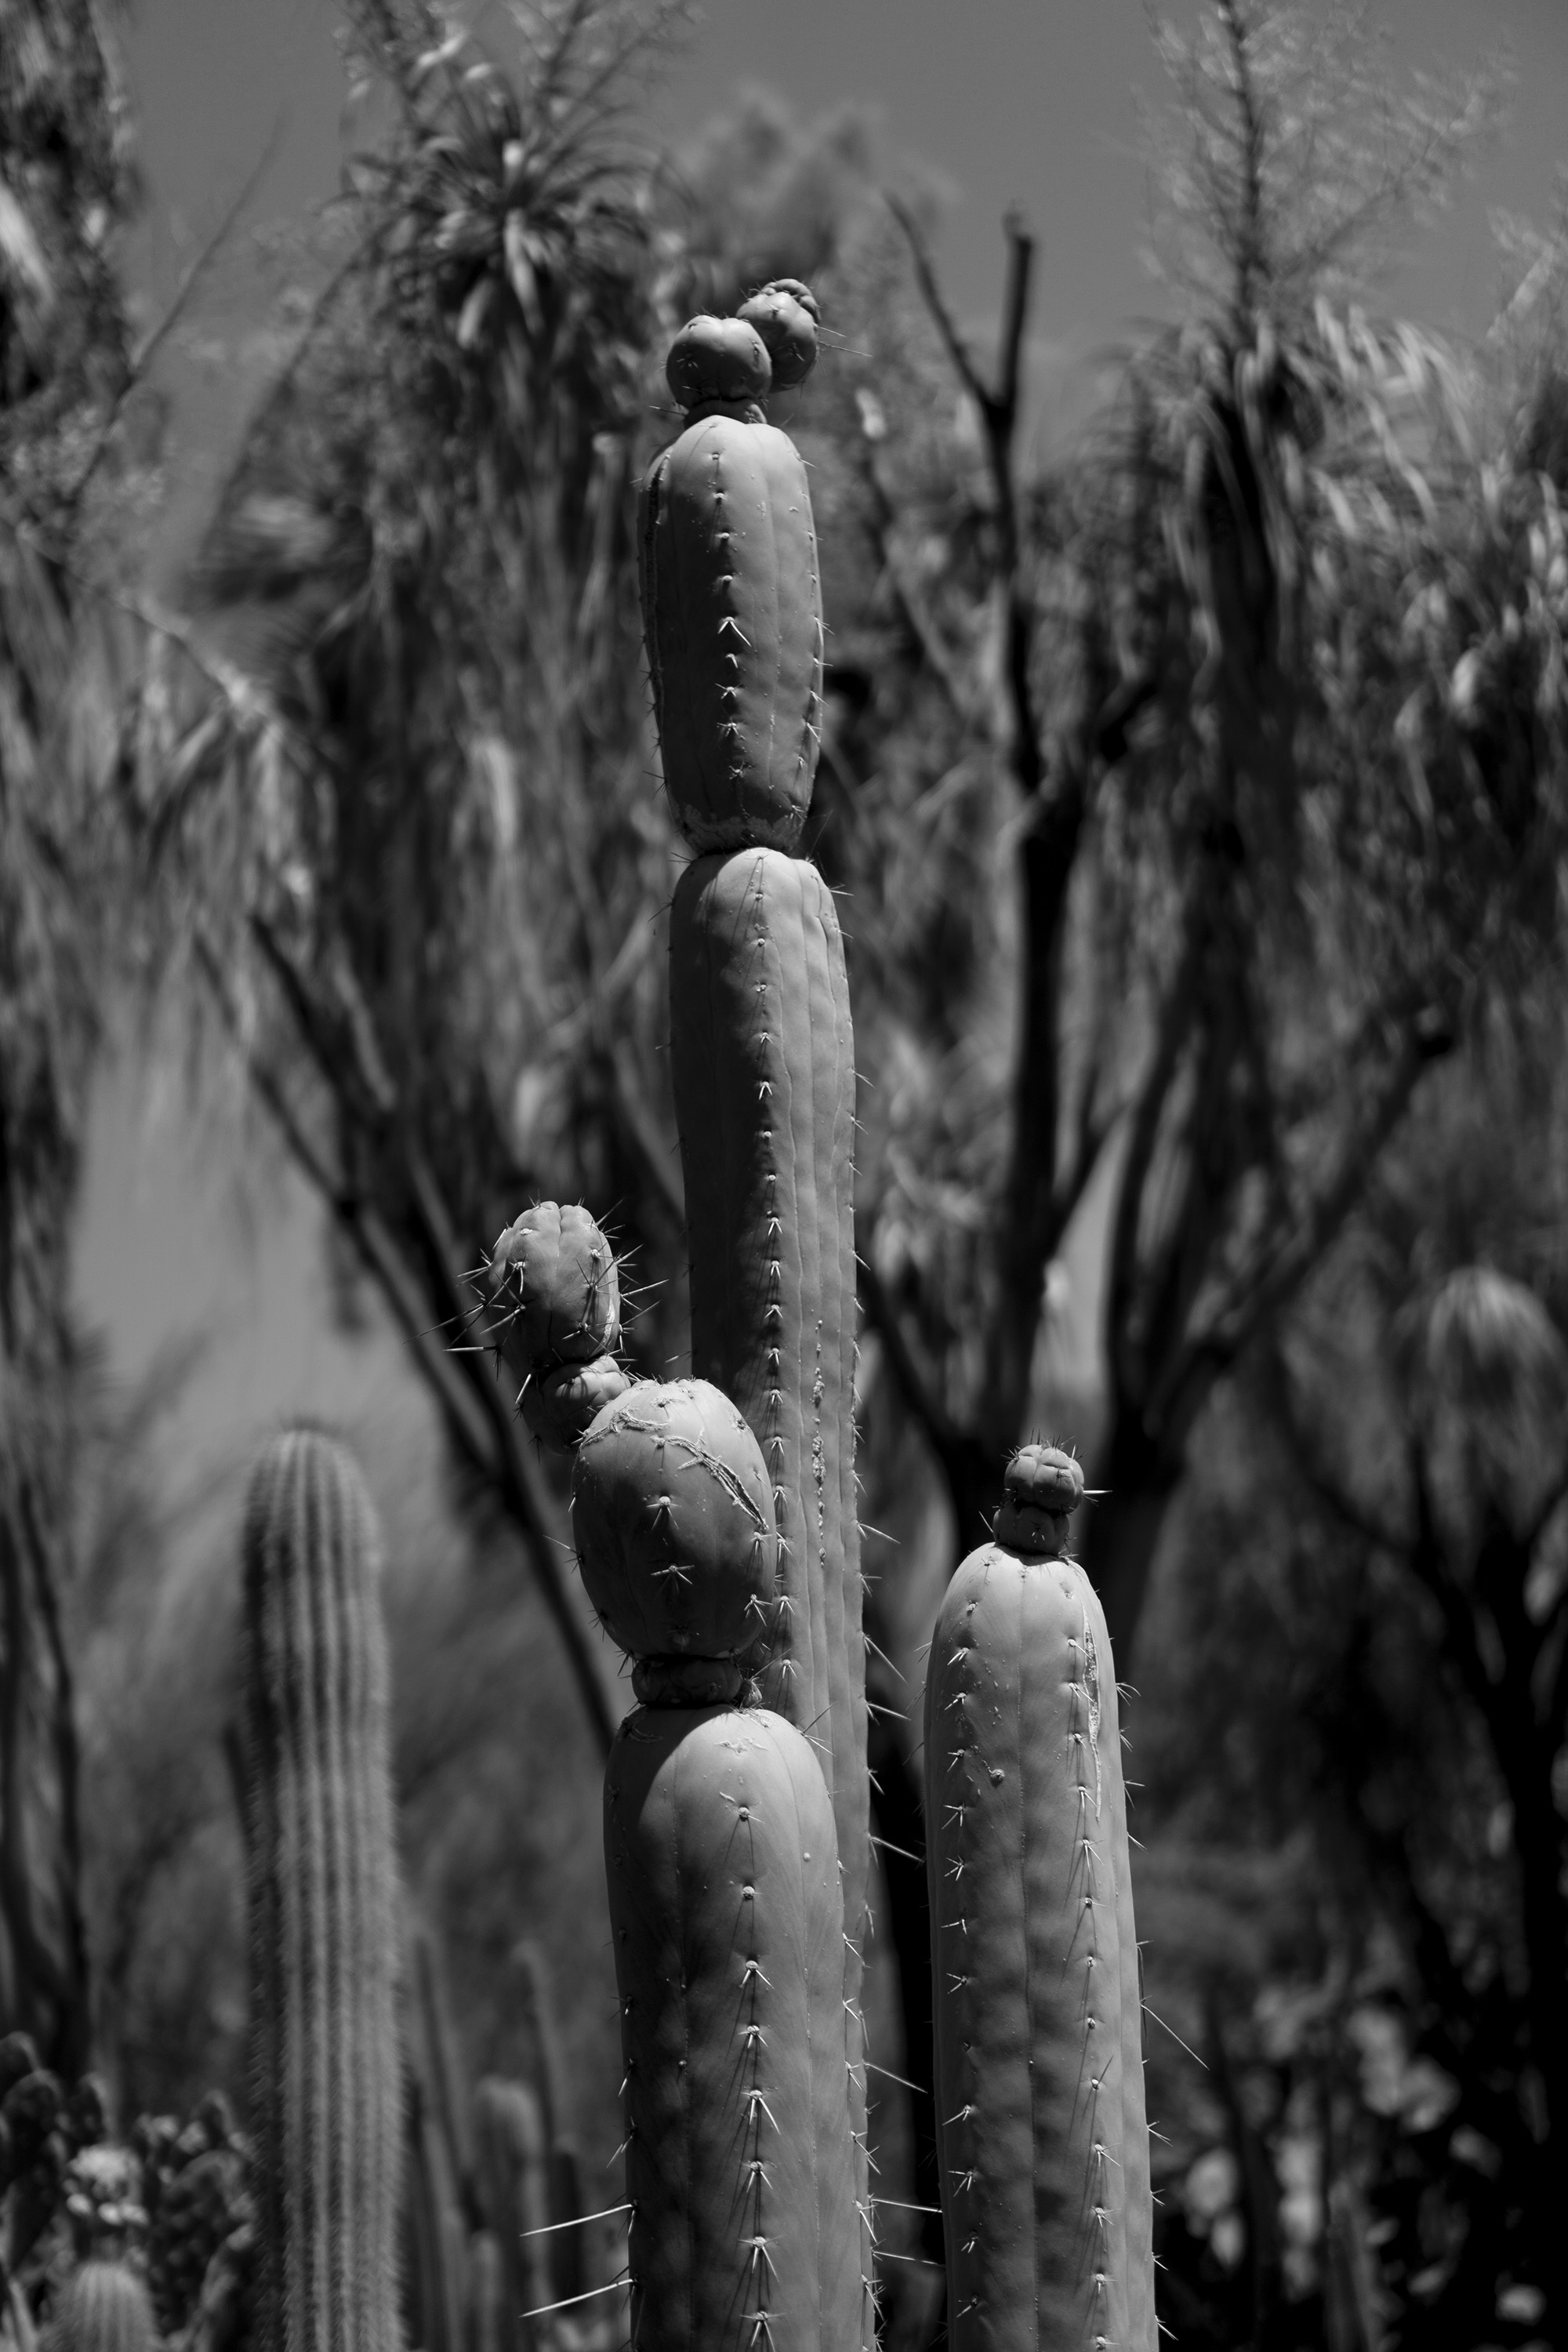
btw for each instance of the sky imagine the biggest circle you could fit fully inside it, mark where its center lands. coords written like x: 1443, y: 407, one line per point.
x: 1003, y: 101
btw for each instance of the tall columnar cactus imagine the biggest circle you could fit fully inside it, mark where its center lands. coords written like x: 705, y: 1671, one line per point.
x: 724, y: 1902
x: 762, y: 1048
x: 324, y: 2061
x: 1042, y: 2136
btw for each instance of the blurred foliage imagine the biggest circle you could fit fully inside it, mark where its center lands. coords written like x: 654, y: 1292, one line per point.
x: 73, y: 473
x: 1353, y: 1739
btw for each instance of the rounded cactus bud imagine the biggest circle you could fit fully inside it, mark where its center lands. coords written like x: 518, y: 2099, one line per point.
x: 672, y: 1515
x: 554, y: 1272
x: 785, y: 315
x: 1041, y: 1487
x: 102, y: 2307
x: 559, y: 1404
x: 718, y: 359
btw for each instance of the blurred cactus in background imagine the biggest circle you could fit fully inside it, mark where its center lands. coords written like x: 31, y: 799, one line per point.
x: 103, y: 2307
x: 325, y: 2060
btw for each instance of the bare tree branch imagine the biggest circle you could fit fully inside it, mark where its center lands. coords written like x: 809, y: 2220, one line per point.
x: 478, y: 1417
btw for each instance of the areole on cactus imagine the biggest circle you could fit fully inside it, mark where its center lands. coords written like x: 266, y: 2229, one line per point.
x: 1041, y: 2129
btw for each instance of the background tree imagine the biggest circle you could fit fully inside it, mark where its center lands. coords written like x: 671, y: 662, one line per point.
x: 1196, y: 829
x: 66, y: 186
x: 1352, y: 1735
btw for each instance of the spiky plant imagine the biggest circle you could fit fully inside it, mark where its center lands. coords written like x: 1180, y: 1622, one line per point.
x: 325, y: 2060
x: 724, y: 1900
x: 1039, y: 2026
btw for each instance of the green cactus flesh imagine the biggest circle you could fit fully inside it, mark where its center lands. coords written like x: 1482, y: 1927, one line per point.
x: 325, y: 2061
x: 732, y: 620
x: 1042, y: 2136
x: 763, y: 1064
x: 725, y: 1909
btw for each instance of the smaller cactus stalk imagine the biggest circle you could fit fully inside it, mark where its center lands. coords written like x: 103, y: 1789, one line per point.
x: 325, y: 2059
x: 1042, y: 2139
x: 103, y: 2307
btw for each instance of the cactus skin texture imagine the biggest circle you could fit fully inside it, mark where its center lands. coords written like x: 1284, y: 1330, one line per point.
x: 763, y: 1056
x: 1042, y: 2136
x: 733, y: 621
x: 724, y: 1906
x: 103, y: 2307
x: 325, y: 2060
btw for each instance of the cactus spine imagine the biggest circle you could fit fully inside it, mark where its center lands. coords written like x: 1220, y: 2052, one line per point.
x: 325, y: 2071
x: 1041, y: 2131
x: 762, y: 1055
x: 724, y: 1903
